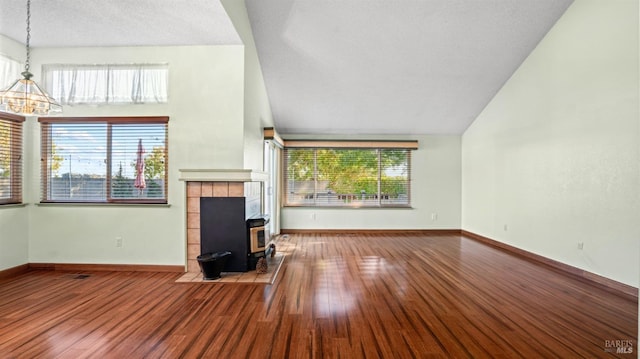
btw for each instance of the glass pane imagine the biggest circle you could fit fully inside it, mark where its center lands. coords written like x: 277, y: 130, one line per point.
x: 138, y: 161
x: 5, y: 160
x: 394, y: 177
x: 347, y: 177
x: 77, y: 162
x: 300, y: 176
x: 9, y: 71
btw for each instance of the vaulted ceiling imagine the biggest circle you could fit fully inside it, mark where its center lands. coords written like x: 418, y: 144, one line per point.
x: 348, y: 66
x: 72, y: 23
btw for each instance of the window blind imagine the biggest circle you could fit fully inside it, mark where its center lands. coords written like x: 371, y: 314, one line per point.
x: 10, y: 158
x: 104, y: 159
x: 347, y: 177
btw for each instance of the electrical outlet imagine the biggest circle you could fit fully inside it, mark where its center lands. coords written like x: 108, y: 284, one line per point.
x: 119, y: 242
x: 506, y: 228
x: 434, y: 216
x: 580, y: 245
x: 313, y: 216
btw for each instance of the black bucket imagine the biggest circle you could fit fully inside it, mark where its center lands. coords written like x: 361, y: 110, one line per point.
x: 211, y: 264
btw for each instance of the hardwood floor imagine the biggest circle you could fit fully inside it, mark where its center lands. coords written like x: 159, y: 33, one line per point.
x: 337, y: 296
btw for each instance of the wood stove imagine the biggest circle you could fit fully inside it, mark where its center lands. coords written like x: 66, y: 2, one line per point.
x: 258, y: 232
x: 226, y: 225
x: 258, y: 236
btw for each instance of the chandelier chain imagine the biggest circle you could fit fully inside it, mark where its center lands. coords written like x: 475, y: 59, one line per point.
x: 26, y: 67
x: 24, y: 97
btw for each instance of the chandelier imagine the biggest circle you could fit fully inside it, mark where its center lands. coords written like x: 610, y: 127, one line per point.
x: 24, y: 96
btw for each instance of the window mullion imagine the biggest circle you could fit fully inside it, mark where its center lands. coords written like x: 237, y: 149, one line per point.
x: 379, y: 177
x: 109, y: 161
x: 408, y: 154
x: 315, y: 176
x: 45, y: 153
x: 166, y: 161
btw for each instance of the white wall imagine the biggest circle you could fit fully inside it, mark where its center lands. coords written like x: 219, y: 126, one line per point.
x: 14, y: 237
x: 555, y: 156
x: 205, y: 131
x: 12, y: 49
x: 257, y: 110
x: 435, y: 188
x: 13, y: 220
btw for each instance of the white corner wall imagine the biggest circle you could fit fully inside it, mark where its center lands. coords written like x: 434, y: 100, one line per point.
x: 13, y: 220
x: 14, y: 238
x: 257, y: 110
x: 12, y: 49
x: 205, y: 131
x: 435, y: 188
x: 554, y: 159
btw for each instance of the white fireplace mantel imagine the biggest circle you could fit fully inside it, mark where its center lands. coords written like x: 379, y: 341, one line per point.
x: 222, y: 175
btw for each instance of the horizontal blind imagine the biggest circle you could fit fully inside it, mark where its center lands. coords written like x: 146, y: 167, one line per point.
x: 104, y: 160
x: 350, y: 177
x: 10, y: 158
x: 300, y: 176
x: 395, y: 179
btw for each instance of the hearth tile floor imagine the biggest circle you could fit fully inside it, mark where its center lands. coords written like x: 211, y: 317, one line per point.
x: 274, y: 265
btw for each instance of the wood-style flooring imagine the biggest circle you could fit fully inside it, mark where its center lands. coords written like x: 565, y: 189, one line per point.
x: 336, y: 296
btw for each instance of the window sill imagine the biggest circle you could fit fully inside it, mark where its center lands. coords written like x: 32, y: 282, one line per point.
x: 347, y: 207
x: 98, y: 204
x: 13, y: 205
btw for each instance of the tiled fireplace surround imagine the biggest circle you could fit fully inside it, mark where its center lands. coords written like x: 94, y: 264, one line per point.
x: 198, y: 189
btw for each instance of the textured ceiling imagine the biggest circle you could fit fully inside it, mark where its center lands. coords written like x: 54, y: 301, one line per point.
x: 347, y: 66
x: 71, y: 23
x: 391, y: 66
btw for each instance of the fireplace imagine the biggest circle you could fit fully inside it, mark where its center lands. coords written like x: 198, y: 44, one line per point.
x: 244, y: 185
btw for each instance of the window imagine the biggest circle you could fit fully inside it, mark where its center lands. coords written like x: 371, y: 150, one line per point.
x: 9, y: 71
x: 347, y: 177
x: 10, y: 158
x: 107, y: 84
x: 104, y: 159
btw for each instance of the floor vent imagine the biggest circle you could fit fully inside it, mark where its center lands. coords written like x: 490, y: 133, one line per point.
x: 80, y: 276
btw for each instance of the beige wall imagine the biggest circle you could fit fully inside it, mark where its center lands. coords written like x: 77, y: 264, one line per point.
x: 554, y: 159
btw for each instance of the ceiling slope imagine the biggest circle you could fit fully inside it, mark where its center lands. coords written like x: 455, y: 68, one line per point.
x: 349, y: 66
x: 75, y: 23
x: 391, y: 66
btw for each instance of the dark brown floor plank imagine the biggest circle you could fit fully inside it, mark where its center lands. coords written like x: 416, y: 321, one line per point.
x: 346, y: 295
